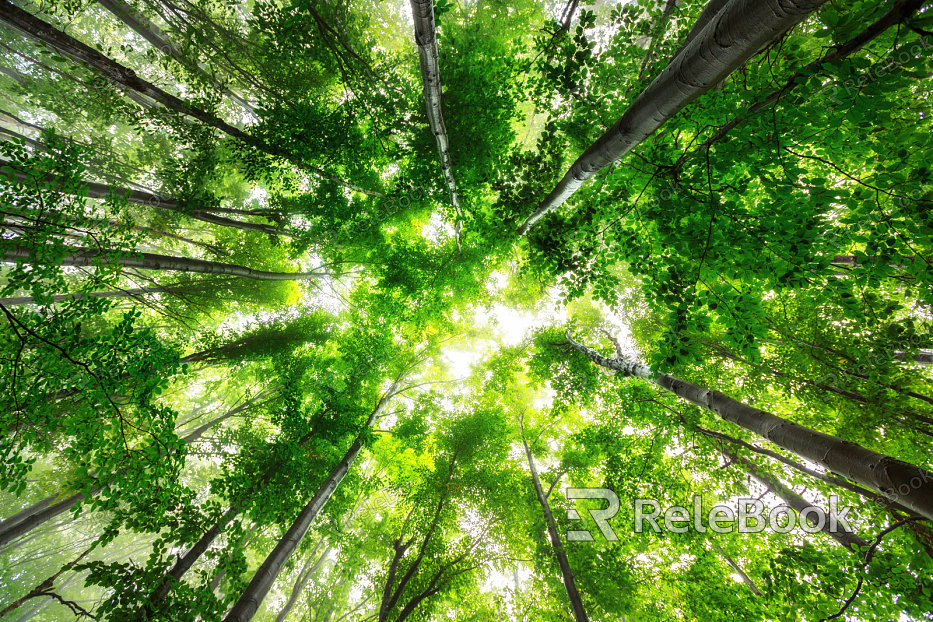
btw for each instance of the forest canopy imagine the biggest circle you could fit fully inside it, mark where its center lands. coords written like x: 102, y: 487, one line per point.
x: 466, y: 310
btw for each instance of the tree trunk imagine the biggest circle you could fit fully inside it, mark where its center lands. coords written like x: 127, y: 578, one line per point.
x: 823, y: 477
x: 576, y: 603
x: 154, y: 35
x: 245, y: 608
x: 34, y: 27
x: 924, y: 358
x: 200, y: 430
x: 39, y: 513
x: 27, y: 512
x: 709, y: 12
x: 307, y: 571
x: 144, y: 102
x: 745, y: 578
x: 184, y: 564
x: 71, y: 47
x: 97, y: 190
x: 658, y: 30
x: 900, y: 481
x: 790, y: 498
x: 426, y: 38
x: 153, y: 261
x: 899, y: 12
x: 122, y: 293
x: 731, y: 37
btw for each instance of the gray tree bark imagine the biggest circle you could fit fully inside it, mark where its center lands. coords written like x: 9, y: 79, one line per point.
x: 153, y: 261
x: 184, y: 563
x: 790, y: 498
x: 898, y: 13
x: 304, y: 575
x: 897, y: 480
x: 576, y: 603
x: 248, y: 603
x: 426, y: 38
x: 97, y: 190
x: 732, y: 36
x: 154, y: 35
x: 745, y: 578
x: 39, y: 513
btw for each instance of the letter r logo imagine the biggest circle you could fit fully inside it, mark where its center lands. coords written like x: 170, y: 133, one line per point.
x: 601, y: 517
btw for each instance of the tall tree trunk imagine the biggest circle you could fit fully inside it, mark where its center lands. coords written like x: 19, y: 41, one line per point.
x: 924, y: 358
x: 900, y: 481
x: 790, y: 498
x: 97, y: 190
x: 245, y: 608
x: 35, y: 516
x: 426, y: 38
x: 184, y: 563
x: 898, y: 13
x: 304, y: 575
x: 201, y: 429
x: 153, y: 261
x: 850, y: 395
x: 154, y: 35
x: 26, y: 512
x: 144, y: 102
x: 576, y: 603
x: 709, y: 12
x: 823, y: 477
x: 122, y: 293
x: 34, y: 27
x: 738, y: 569
x: 658, y: 30
x: 45, y: 510
x: 732, y: 36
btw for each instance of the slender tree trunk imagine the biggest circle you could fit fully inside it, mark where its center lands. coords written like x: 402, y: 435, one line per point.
x: 97, y: 190
x: 123, y: 293
x: 184, y: 563
x: 153, y: 261
x: 36, y: 515
x: 154, y: 35
x: 738, y: 569
x: 731, y: 37
x: 200, y: 430
x: 790, y: 498
x: 924, y: 358
x: 26, y: 512
x: 850, y: 395
x: 898, y: 13
x: 902, y: 262
x: 144, y: 102
x: 658, y: 31
x: 71, y: 47
x: 900, y: 481
x: 245, y: 608
x: 34, y: 27
x: 45, y: 510
x: 426, y: 39
x: 823, y: 477
x: 307, y: 571
x: 576, y: 603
